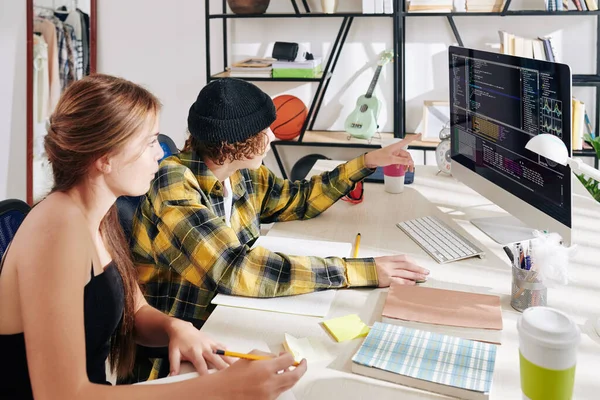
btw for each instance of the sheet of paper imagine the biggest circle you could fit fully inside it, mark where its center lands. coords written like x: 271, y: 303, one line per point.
x: 346, y: 328
x: 311, y: 349
x: 186, y: 367
x: 315, y: 304
x: 302, y: 247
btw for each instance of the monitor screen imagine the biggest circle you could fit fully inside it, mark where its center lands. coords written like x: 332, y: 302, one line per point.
x: 499, y: 102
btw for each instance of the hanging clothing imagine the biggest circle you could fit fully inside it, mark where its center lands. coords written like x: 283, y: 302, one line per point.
x: 87, y: 33
x: 85, y: 43
x: 73, y: 19
x: 41, y: 81
x: 61, y: 45
x: 48, y: 32
x: 71, y: 75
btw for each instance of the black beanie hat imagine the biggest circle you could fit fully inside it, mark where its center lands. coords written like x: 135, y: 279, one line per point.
x: 230, y: 110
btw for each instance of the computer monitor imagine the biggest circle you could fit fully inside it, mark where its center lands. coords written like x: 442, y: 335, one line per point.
x: 497, y: 103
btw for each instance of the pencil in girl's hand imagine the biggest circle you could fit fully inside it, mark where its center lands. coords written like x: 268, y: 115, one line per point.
x: 246, y: 356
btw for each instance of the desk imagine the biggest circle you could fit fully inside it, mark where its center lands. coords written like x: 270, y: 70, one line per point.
x: 375, y: 218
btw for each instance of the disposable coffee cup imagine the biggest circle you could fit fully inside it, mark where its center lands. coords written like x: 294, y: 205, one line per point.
x: 393, y: 178
x: 548, y: 341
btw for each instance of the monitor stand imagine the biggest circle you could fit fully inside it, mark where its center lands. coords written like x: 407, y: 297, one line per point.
x: 504, y: 230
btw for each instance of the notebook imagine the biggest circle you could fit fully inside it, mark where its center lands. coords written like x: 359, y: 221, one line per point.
x: 429, y: 361
x: 471, y: 316
x: 315, y: 304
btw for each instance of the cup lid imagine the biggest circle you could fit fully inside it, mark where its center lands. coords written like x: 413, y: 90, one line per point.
x: 549, y: 327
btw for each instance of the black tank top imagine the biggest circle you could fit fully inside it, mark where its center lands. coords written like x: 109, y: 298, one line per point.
x: 103, y: 302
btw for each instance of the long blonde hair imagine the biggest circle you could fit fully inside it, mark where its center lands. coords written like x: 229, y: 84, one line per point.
x: 95, y: 117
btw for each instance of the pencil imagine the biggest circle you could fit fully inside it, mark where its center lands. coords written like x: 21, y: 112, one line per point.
x: 356, y: 245
x: 246, y: 356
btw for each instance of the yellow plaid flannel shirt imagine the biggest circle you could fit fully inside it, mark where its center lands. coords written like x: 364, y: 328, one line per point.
x: 186, y: 254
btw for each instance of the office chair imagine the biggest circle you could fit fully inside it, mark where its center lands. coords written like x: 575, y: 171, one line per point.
x: 303, y: 166
x: 128, y: 205
x: 12, y: 214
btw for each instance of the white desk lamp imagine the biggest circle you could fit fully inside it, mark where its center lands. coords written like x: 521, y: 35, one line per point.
x: 552, y: 148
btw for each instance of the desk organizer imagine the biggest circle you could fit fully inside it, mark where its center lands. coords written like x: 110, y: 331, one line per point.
x: 528, y: 290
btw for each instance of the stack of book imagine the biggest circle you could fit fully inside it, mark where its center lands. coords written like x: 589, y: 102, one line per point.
x: 252, y: 68
x: 566, y: 5
x: 297, y: 69
x: 484, y: 5
x: 430, y: 6
x: 377, y: 6
x: 542, y: 48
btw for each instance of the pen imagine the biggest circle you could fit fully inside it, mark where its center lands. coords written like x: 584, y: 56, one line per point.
x: 356, y: 245
x: 246, y: 356
x: 509, y: 253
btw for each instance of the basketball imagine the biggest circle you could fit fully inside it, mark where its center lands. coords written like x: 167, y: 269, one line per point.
x: 291, y: 114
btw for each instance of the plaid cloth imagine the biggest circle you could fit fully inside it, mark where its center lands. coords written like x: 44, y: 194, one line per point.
x: 186, y: 254
x: 433, y: 357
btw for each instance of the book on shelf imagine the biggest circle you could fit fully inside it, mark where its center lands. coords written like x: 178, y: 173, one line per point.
x: 436, y: 6
x: 297, y: 72
x: 368, y: 6
x: 541, y: 48
x: 428, y: 361
x: 484, y: 5
x: 467, y: 315
x: 252, y: 68
x: 578, y: 124
x: 241, y: 72
x: 254, y: 63
x: 299, y: 64
x: 378, y: 6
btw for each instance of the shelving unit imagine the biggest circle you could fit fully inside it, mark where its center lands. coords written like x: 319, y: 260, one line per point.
x: 325, y: 78
x: 592, y: 80
x: 399, y: 19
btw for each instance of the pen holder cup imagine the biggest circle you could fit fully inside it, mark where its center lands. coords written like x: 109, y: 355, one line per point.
x: 528, y: 290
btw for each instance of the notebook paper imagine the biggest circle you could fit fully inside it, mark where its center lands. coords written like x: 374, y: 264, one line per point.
x: 426, y: 360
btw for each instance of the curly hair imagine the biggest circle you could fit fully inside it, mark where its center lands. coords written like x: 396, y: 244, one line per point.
x: 223, y: 151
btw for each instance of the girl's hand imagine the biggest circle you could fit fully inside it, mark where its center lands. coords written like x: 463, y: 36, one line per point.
x: 186, y: 343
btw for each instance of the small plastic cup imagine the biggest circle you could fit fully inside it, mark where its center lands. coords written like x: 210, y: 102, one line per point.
x: 393, y: 178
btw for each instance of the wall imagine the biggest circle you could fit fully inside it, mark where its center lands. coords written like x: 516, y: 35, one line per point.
x: 13, y: 99
x: 159, y: 46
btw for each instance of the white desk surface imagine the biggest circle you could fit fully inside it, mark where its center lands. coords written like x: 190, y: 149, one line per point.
x: 375, y: 218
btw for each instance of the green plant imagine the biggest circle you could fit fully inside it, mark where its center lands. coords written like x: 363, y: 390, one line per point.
x: 590, y: 184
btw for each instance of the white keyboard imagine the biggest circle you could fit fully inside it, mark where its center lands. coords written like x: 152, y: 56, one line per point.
x: 440, y: 241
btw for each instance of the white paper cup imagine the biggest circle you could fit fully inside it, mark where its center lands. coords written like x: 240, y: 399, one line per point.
x: 548, y: 341
x: 393, y: 178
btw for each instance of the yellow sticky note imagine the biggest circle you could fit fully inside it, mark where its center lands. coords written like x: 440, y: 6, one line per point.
x: 311, y: 349
x: 346, y: 328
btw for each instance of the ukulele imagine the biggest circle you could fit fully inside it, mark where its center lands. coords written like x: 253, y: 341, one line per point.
x: 362, y: 121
